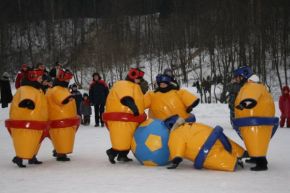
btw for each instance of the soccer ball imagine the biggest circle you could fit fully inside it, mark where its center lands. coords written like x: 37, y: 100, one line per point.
x: 150, y: 143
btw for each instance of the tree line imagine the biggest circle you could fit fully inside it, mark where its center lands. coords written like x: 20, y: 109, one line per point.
x: 187, y: 35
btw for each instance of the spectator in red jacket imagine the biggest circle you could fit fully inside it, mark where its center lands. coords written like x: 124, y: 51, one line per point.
x: 20, y: 75
x: 284, y: 105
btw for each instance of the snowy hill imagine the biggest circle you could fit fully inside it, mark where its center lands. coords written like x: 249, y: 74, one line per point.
x: 89, y: 170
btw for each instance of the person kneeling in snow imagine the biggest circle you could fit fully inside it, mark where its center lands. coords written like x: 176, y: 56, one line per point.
x: 207, y: 147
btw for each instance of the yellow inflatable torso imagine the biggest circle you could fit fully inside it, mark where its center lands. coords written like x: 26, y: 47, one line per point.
x: 265, y: 103
x: 37, y: 96
x: 120, y: 90
x: 121, y: 132
x: 27, y: 141
x: 61, y: 137
x: 164, y: 105
x: 57, y: 110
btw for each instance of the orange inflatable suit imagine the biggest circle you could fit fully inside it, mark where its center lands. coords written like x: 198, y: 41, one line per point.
x: 28, y: 118
x: 62, y: 116
x: 124, y: 112
x: 254, y: 120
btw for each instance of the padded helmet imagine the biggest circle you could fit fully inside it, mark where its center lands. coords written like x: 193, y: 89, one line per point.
x: 135, y: 73
x: 162, y: 78
x: 244, y: 71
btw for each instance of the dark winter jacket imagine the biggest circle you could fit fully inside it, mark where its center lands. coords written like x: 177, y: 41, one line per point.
x: 144, y: 85
x: 5, y: 90
x: 98, y: 92
x: 284, y: 102
x: 85, y: 108
x: 233, y: 90
x: 77, y: 95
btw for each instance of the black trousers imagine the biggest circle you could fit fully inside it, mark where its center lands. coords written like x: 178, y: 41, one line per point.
x: 86, y: 120
x: 99, y: 110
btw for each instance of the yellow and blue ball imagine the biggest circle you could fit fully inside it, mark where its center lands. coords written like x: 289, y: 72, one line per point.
x: 150, y: 143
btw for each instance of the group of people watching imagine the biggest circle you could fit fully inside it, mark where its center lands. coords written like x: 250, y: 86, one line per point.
x: 99, y: 90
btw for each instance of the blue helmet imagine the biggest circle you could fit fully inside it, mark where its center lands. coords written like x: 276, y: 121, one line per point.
x: 244, y: 71
x: 162, y: 78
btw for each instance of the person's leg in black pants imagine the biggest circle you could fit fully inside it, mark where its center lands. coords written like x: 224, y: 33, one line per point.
x: 97, y: 115
x: 102, y: 109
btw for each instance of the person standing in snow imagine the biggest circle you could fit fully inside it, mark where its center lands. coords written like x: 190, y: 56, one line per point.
x: 254, y: 117
x: 233, y: 90
x: 5, y: 90
x: 124, y: 112
x: 86, y: 109
x: 54, y: 70
x: 28, y: 118
x: 77, y: 95
x: 284, y: 106
x: 98, y: 93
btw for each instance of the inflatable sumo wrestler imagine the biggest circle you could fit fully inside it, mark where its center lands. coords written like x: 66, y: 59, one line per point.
x: 124, y: 112
x: 62, y: 115
x: 28, y: 118
x: 167, y: 101
x: 207, y: 147
x: 255, y: 121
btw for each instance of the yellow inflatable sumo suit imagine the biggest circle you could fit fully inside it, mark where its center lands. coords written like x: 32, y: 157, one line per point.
x: 167, y: 101
x: 124, y: 112
x: 207, y: 147
x: 63, y: 117
x: 28, y: 118
x: 255, y: 121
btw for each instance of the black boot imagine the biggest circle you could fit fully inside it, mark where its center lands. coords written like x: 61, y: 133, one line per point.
x: 174, y: 163
x: 252, y: 160
x: 62, y: 157
x: 34, y: 160
x: 54, y: 154
x: 112, y: 154
x: 261, y: 164
x: 18, y: 161
x: 123, y: 156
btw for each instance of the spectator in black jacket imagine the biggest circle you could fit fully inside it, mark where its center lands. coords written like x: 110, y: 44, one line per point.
x: 86, y: 109
x: 98, y: 94
x: 53, y: 71
x: 46, y: 79
x: 5, y: 90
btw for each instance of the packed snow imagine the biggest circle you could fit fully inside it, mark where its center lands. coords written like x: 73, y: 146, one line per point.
x: 89, y: 170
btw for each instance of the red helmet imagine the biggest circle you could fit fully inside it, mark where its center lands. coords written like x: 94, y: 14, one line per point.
x: 33, y: 75
x: 135, y: 73
x: 63, y: 75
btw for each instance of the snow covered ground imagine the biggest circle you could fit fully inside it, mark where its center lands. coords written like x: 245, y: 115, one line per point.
x: 89, y: 170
